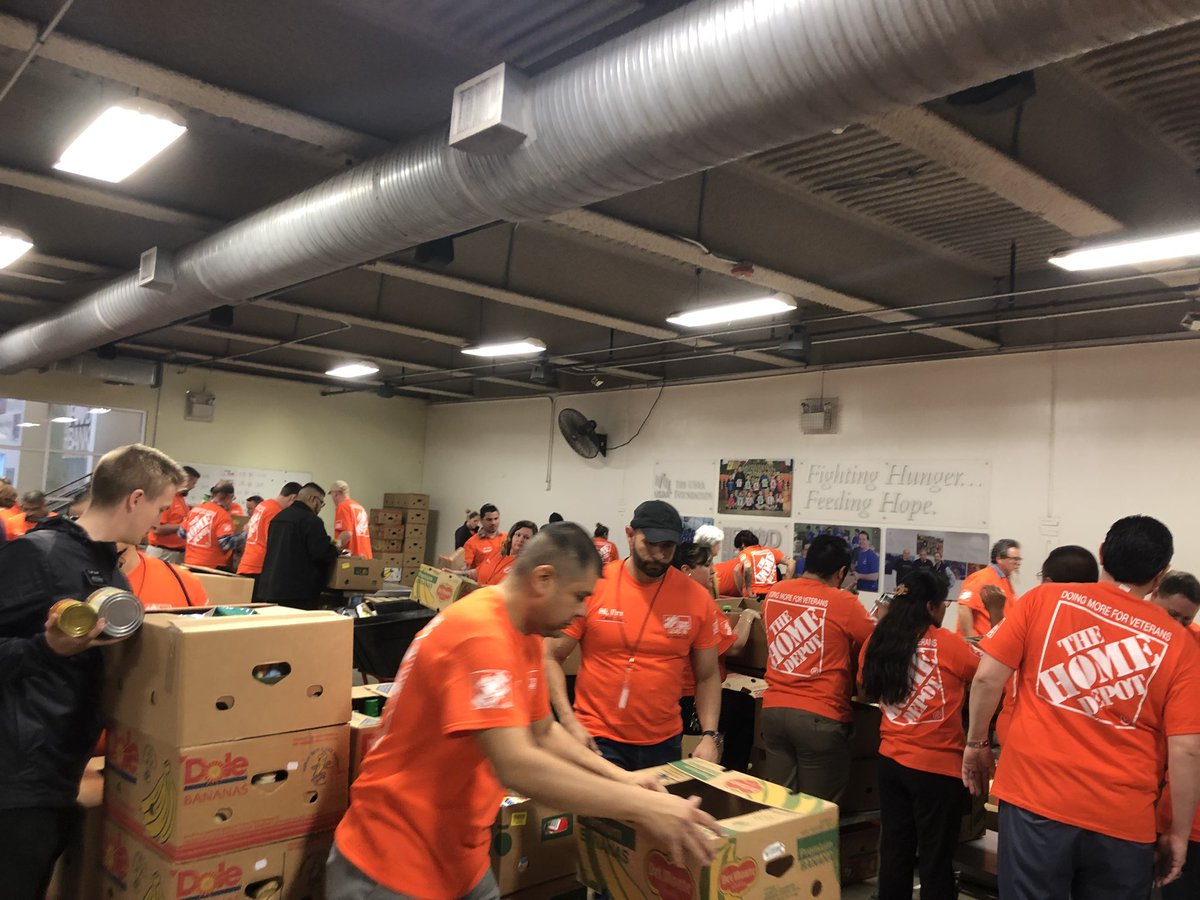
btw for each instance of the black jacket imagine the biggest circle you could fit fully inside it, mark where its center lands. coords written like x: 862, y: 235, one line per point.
x: 298, y: 560
x: 462, y: 535
x: 50, y: 715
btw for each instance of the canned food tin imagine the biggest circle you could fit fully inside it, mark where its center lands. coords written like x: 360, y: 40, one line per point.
x: 122, y: 611
x: 74, y: 617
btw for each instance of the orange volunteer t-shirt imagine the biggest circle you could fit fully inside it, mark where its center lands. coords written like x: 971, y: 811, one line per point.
x: 671, y: 626
x: 494, y: 568
x: 725, y: 640
x: 763, y: 563
x: 14, y: 523
x: 351, y: 517
x: 607, y: 549
x: 1164, y: 804
x: 255, y: 550
x: 422, y: 807
x: 154, y: 582
x: 1103, y: 677
x: 723, y: 572
x: 478, y: 548
x: 969, y: 597
x: 175, y: 515
x: 814, y: 633
x: 205, y: 525
x: 925, y: 732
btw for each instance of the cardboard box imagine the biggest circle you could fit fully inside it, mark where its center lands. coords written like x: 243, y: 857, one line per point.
x: 190, y: 679
x: 974, y: 819
x: 437, y: 588
x: 417, y: 548
x: 855, y: 869
x: 222, y: 588
x: 864, y: 739
x: 862, y: 793
x: 531, y: 844
x: 239, y: 522
x: 382, y: 547
x: 351, y: 573
x: 856, y: 840
x: 287, y: 870
x: 755, y: 687
x: 198, y: 801
x: 409, y: 578
x: 777, y: 845
x: 412, y: 560
x: 387, y: 532
x: 391, y: 560
x: 417, y: 517
x: 754, y: 654
x: 364, y: 732
x: 414, y: 533
x: 406, y: 501
x: 77, y: 873
x: 387, y: 517
x: 565, y: 888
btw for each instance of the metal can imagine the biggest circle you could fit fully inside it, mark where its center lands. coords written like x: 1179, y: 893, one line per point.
x: 122, y: 611
x: 75, y: 617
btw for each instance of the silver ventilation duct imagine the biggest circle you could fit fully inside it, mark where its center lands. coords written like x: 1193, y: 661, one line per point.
x: 709, y: 83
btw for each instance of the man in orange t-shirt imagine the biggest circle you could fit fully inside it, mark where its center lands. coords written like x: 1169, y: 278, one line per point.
x: 759, y: 565
x: 645, y: 621
x: 255, y: 550
x: 984, y: 594
x: 814, y: 632
x: 351, y: 525
x: 1109, y: 689
x: 208, y: 528
x: 468, y: 713
x: 158, y: 583
x: 488, y: 540
x: 163, y: 540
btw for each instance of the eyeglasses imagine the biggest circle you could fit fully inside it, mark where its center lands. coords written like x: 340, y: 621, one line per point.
x: 1013, y: 558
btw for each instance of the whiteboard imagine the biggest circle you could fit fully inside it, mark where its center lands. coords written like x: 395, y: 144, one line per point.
x: 246, y: 482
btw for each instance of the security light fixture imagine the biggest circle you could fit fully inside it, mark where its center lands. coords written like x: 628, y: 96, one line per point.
x: 507, y: 348
x: 13, y: 245
x: 121, y: 140
x: 797, y: 345
x: 734, y: 312
x: 358, y: 368
x: 1130, y: 253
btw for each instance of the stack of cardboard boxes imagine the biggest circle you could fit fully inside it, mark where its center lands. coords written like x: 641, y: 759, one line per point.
x: 227, y: 754
x: 398, y: 534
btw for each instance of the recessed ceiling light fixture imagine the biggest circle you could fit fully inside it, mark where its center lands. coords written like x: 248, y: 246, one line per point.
x: 358, y: 368
x: 63, y: 420
x: 121, y: 140
x: 13, y: 245
x: 734, y: 312
x: 1130, y: 253
x: 99, y: 410
x: 507, y: 348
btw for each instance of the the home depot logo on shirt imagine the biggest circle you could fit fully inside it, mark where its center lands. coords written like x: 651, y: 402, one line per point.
x: 361, y: 522
x: 1096, y: 665
x: 492, y: 689
x: 200, y: 528
x: 677, y: 626
x: 796, y: 645
x: 927, y: 701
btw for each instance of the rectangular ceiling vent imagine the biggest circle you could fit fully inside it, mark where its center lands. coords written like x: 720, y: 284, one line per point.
x: 157, y: 270
x: 819, y: 415
x: 489, y: 115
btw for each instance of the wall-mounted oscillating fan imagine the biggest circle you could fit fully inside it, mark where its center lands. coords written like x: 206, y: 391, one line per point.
x: 580, y: 432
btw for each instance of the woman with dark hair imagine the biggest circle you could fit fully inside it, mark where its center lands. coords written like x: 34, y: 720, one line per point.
x: 919, y: 673
x: 607, y: 549
x: 469, y: 526
x: 493, y: 569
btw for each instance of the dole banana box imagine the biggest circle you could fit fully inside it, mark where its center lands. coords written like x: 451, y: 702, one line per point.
x: 777, y: 845
x: 284, y: 870
x: 189, y: 677
x: 199, y: 801
x: 437, y: 588
x: 531, y: 844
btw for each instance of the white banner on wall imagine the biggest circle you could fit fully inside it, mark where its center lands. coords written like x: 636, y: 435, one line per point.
x: 688, y: 485
x: 948, y: 493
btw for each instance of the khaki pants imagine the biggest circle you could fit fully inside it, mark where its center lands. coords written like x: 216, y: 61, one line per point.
x: 806, y: 752
x: 343, y: 881
x: 171, y: 556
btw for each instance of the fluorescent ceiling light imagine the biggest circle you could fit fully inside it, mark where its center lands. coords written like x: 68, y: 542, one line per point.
x: 357, y: 369
x: 29, y: 424
x: 13, y: 245
x: 1130, y: 253
x: 99, y: 410
x: 507, y: 348
x: 734, y: 312
x: 121, y: 140
x: 63, y: 420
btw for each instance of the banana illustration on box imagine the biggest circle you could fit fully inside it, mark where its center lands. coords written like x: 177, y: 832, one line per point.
x: 155, y: 891
x: 158, y: 807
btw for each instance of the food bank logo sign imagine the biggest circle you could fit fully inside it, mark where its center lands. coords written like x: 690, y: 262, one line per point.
x: 927, y: 701
x: 1095, y: 665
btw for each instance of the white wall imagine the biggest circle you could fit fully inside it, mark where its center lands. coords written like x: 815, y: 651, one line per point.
x: 374, y: 444
x: 1084, y: 436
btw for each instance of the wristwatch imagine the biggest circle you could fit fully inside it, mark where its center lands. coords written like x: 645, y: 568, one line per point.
x: 717, y: 737
x: 979, y: 745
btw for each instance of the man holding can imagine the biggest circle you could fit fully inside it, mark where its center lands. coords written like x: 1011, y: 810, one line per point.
x: 50, y: 682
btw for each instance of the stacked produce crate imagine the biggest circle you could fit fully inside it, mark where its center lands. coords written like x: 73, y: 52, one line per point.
x: 399, y: 530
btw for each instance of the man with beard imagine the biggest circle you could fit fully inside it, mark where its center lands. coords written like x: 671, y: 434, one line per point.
x: 644, y: 622
x: 469, y: 709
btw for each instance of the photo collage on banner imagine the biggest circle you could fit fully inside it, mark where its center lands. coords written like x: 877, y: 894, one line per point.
x: 956, y: 554
x: 865, y: 548
x: 755, y: 487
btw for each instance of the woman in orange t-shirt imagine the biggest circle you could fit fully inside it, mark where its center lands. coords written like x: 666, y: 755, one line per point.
x: 919, y: 673
x: 607, y: 549
x: 493, y: 569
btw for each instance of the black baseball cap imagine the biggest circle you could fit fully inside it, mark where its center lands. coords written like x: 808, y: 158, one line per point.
x: 658, y: 521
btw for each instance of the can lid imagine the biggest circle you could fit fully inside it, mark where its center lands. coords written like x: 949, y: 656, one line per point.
x: 122, y: 613
x: 76, y: 619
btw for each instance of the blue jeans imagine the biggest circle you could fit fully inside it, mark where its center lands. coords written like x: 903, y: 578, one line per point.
x: 632, y: 757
